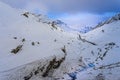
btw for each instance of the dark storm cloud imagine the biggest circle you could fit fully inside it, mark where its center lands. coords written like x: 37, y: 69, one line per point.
x: 71, y: 6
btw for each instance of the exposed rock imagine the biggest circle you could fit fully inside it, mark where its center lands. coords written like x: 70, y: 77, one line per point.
x: 17, y: 49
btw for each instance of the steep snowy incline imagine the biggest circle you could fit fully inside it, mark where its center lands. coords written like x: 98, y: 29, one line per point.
x: 112, y: 19
x: 101, y: 49
x: 27, y: 45
x: 37, y: 38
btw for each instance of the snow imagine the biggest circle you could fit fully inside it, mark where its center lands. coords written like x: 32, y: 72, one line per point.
x: 110, y: 35
x: 82, y: 60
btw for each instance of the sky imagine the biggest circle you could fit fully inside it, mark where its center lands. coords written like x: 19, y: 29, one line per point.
x: 76, y: 13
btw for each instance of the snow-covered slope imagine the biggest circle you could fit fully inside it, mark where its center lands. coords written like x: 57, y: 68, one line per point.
x: 112, y: 19
x: 86, y: 29
x: 25, y: 40
x: 44, y: 19
x: 104, y: 55
x: 33, y: 47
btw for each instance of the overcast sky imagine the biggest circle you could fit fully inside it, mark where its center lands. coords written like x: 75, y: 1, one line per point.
x: 76, y: 13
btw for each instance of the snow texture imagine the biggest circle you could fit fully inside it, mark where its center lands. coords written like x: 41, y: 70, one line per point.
x: 34, y: 47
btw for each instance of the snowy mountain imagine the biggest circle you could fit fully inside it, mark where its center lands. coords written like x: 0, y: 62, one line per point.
x: 105, y: 54
x: 34, y: 47
x: 112, y: 19
x: 44, y: 19
x: 86, y: 29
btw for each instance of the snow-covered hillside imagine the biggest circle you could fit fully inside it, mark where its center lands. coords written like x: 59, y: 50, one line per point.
x: 86, y: 29
x: 112, y: 19
x: 25, y: 40
x: 105, y: 55
x: 34, y: 47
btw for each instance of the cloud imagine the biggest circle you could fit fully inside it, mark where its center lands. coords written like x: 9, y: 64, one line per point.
x: 15, y: 3
x: 29, y: 5
x: 79, y: 20
x: 36, y: 7
x: 76, y: 13
x: 75, y: 6
x: 69, y: 6
x: 93, y: 6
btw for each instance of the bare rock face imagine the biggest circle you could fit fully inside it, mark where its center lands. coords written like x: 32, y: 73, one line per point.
x: 17, y: 49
